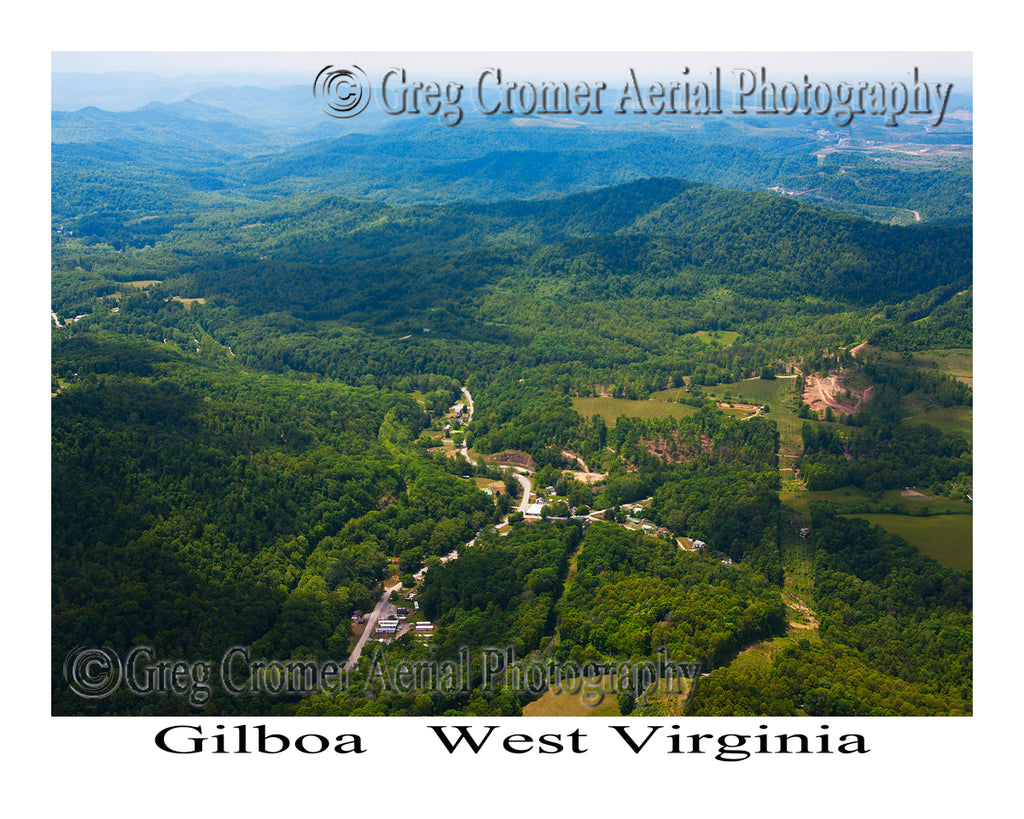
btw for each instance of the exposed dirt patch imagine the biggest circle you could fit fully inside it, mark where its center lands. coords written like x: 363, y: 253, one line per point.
x: 513, y: 457
x: 801, y: 616
x: 572, y: 456
x: 750, y: 409
x: 821, y: 392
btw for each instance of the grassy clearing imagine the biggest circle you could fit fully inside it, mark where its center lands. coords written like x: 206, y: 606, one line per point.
x: 779, y: 395
x: 799, y: 500
x: 955, y: 361
x: 803, y: 622
x: 612, y: 408
x: 145, y: 284
x: 761, y: 653
x: 673, y: 394
x: 756, y: 390
x: 948, y: 419
x: 719, y: 338
x: 936, y: 503
x: 958, y: 362
x: 737, y: 411
x: 564, y: 704
x: 798, y: 561
x: 189, y: 302
x: 947, y: 538
x: 751, y: 391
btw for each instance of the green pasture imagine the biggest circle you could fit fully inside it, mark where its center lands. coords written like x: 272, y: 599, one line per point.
x: 947, y: 538
x: 612, y: 408
x: 756, y: 390
x: 948, y: 419
x: 957, y: 361
x: 799, y: 500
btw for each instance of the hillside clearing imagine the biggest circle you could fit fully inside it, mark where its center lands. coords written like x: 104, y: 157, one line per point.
x: 947, y: 538
x: 611, y: 408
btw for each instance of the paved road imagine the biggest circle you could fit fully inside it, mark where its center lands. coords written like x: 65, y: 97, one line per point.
x: 469, y: 406
x: 524, y: 481
x: 371, y: 622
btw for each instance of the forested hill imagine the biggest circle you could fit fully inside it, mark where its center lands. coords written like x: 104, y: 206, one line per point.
x: 228, y: 146
x: 262, y: 342
x: 326, y: 257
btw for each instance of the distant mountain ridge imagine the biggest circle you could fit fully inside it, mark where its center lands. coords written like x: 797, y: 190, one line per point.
x: 260, y: 143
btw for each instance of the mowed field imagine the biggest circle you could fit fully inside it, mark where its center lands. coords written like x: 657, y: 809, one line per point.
x: 612, y: 408
x: 947, y: 538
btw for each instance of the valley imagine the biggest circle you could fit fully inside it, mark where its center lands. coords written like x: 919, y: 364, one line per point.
x: 591, y: 395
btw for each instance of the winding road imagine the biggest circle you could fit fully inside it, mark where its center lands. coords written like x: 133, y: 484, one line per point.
x: 469, y: 405
x: 371, y: 620
x: 374, y: 616
x: 524, y: 481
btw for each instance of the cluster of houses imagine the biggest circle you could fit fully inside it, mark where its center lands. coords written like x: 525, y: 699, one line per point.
x: 461, y: 416
x: 389, y: 628
x: 535, y: 510
x: 634, y: 522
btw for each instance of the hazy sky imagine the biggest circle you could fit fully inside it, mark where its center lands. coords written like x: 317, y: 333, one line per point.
x: 550, y: 65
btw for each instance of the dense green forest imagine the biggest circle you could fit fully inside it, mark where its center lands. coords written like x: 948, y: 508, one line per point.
x: 262, y: 346
x: 895, y: 637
